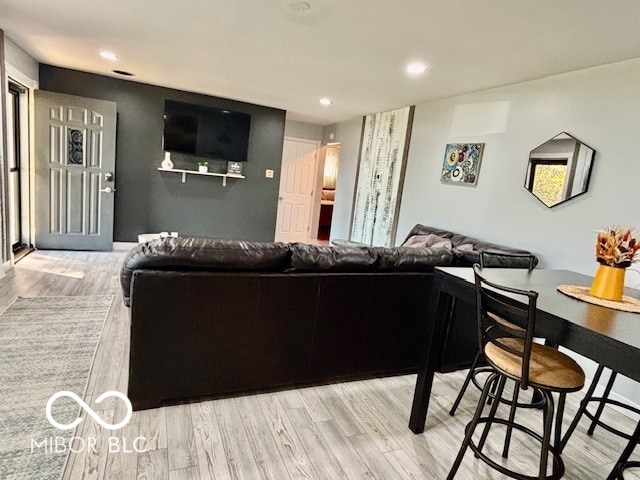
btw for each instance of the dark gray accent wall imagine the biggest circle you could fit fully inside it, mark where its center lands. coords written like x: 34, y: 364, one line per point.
x: 148, y: 200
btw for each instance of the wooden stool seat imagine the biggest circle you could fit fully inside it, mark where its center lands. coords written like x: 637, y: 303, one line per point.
x: 548, y: 368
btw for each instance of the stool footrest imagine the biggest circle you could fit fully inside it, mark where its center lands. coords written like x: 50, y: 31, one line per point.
x: 601, y: 423
x: 557, y: 458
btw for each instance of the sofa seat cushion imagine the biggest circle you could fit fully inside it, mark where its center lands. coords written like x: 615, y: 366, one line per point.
x: 412, y: 259
x: 320, y: 258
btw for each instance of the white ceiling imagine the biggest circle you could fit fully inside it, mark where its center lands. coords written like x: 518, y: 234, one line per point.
x: 270, y: 53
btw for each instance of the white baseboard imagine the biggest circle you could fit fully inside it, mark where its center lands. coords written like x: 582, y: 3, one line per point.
x: 123, y: 246
x: 4, y: 267
x: 615, y: 396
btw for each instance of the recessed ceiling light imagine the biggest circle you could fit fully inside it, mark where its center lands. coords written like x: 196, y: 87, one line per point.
x: 122, y: 72
x: 416, y: 68
x: 325, y: 101
x: 108, y: 55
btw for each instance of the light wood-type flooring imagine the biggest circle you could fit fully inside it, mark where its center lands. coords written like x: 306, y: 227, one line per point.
x: 353, y: 430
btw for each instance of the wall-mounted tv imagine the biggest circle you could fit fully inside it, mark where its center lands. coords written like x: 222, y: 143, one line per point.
x: 206, y: 131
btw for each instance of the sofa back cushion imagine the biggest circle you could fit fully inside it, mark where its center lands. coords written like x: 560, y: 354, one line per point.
x: 320, y: 258
x: 412, y: 259
x: 431, y: 240
x: 419, y: 229
x: 466, y: 250
x: 187, y: 253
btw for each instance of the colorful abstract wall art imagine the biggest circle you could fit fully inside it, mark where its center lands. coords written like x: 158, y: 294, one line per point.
x: 461, y: 163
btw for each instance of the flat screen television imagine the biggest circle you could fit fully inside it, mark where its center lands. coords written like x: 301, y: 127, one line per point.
x: 206, y: 131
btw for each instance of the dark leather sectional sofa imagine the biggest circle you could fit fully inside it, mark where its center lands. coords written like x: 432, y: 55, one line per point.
x: 216, y: 317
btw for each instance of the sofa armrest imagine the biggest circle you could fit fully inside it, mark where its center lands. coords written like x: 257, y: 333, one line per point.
x: 467, y: 254
x: 504, y: 259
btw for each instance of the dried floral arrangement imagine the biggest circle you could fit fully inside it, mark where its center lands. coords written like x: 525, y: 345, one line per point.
x: 617, y: 246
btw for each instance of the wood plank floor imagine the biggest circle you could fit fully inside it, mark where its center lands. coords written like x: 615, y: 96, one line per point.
x: 354, y: 430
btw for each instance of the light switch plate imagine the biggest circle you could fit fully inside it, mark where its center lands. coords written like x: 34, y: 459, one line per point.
x: 268, y: 173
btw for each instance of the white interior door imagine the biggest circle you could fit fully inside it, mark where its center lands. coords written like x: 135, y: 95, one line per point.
x: 75, y: 167
x: 296, y: 196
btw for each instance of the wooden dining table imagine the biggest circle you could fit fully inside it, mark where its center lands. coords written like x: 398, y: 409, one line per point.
x: 607, y: 336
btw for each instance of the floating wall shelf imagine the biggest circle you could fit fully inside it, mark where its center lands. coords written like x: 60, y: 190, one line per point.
x: 195, y: 172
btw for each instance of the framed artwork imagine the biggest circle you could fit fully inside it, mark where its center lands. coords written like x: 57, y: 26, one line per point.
x: 234, y: 168
x: 381, y: 166
x: 461, y: 163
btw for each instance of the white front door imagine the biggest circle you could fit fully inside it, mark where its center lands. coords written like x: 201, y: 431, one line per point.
x: 296, y: 196
x: 75, y: 172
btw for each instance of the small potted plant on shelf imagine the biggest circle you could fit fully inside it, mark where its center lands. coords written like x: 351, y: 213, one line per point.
x: 203, y: 167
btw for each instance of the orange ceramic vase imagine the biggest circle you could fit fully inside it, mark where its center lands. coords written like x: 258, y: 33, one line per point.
x: 608, y: 283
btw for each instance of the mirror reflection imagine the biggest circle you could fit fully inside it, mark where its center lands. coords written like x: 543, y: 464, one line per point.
x: 559, y: 169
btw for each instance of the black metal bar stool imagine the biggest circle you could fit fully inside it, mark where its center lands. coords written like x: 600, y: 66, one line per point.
x: 623, y: 462
x: 488, y: 259
x: 494, y: 258
x: 506, y: 323
x: 601, y: 402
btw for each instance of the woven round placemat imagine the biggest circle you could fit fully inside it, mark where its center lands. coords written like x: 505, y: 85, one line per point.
x: 628, y: 304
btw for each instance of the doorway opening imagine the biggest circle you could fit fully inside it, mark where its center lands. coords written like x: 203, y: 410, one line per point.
x: 329, y: 182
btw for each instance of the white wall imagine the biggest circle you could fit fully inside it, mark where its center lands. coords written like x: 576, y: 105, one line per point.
x: 20, y: 61
x: 599, y: 106
x: 308, y: 131
x: 22, y: 68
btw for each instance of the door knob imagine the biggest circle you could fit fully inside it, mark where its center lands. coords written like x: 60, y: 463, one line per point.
x: 108, y: 190
x: 280, y: 198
